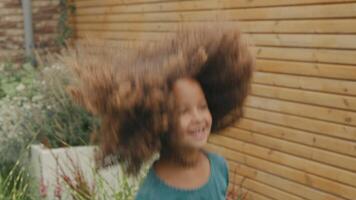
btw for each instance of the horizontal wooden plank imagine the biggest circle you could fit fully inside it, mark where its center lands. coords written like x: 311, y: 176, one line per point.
x: 310, y: 55
x: 307, y: 83
x: 12, y: 18
x: 274, y: 194
x: 89, y: 3
x: 305, y: 40
x: 307, y: 152
x: 10, y: 52
x: 114, y: 43
x: 345, y: 26
x: 269, y: 13
x: 16, y: 32
x: 251, y: 195
x: 307, y: 69
x: 123, y: 35
x: 44, y: 3
x: 263, y: 190
x: 16, y: 39
x: 121, y: 26
x: 266, y: 172
x: 307, y: 97
x: 11, y: 11
x: 302, y: 123
x: 329, y: 26
x: 303, y: 110
x: 256, y: 196
x: 112, y: 7
x: 299, y: 136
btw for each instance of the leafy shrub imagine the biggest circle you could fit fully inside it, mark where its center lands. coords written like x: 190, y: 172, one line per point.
x: 19, y: 101
x: 34, y: 107
x: 62, y: 122
x: 16, y: 184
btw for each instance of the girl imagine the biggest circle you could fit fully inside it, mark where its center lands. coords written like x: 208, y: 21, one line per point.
x: 184, y: 170
x: 166, y: 97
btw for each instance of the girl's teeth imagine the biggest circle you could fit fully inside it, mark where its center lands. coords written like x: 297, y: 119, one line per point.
x: 198, y: 133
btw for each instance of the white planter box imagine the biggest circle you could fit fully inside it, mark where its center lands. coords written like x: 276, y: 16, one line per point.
x: 49, y: 166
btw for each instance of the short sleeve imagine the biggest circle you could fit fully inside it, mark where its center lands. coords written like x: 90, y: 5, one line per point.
x: 221, y: 166
x: 139, y: 196
x: 226, y: 171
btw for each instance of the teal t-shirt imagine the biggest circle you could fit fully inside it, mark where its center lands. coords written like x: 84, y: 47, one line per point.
x: 153, y: 188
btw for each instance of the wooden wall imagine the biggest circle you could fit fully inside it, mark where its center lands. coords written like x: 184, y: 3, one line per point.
x: 45, y: 16
x: 298, y: 137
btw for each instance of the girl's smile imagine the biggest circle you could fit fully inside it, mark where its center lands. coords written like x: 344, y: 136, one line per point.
x: 199, y: 133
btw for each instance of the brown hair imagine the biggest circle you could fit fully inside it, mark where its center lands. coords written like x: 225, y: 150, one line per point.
x: 129, y: 88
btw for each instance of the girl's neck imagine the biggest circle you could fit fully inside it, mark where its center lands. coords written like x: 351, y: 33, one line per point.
x: 182, y: 159
x: 191, y: 171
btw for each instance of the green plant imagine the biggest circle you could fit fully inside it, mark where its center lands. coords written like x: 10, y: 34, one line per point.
x: 101, y: 190
x: 65, y: 31
x: 71, y: 181
x: 34, y: 104
x: 19, y: 102
x: 35, y: 107
x: 18, y: 89
x: 15, y: 185
x: 62, y: 122
x: 20, y: 81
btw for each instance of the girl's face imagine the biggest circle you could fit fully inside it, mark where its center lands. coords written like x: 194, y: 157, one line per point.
x: 194, y: 118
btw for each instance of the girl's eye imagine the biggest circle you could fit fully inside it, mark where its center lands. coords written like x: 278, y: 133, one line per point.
x: 203, y: 107
x: 183, y: 111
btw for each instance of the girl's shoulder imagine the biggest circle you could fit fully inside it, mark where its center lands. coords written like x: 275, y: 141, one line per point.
x: 149, y: 188
x: 219, y: 166
x: 217, y: 160
x: 215, y: 157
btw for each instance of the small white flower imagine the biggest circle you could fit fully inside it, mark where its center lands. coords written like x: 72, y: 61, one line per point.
x: 37, y: 98
x: 27, y: 106
x: 20, y: 87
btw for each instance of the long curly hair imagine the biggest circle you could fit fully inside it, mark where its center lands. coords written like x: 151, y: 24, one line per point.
x: 130, y: 86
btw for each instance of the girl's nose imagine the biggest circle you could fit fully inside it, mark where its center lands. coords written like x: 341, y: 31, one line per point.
x: 197, y: 115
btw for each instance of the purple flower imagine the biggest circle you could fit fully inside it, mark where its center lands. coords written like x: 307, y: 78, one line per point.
x: 43, y: 189
x: 58, y: 191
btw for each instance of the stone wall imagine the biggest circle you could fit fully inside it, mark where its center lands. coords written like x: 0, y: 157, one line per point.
x: 45, y: 16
